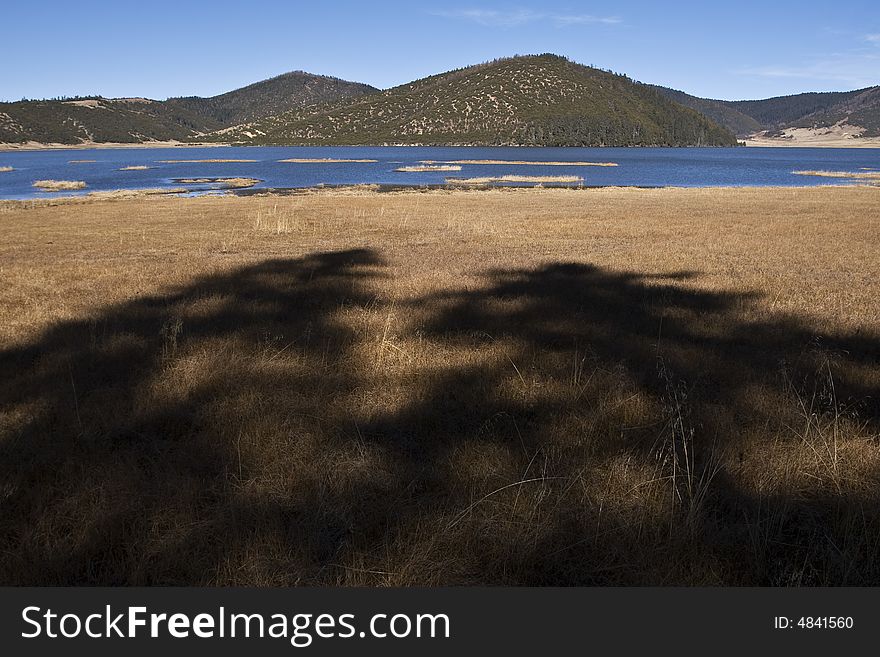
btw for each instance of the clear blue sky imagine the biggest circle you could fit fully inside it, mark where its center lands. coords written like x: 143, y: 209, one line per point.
x: 732, y: 50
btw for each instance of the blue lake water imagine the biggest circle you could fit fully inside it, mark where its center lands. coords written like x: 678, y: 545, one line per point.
x: 683, y: 167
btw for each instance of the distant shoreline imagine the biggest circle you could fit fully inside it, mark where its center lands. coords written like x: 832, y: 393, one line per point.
x: 391, y: 190
x: 38, y: 146
x: 793, y: 141
x: 769, y: 142
x: 750, y: 142
x: 837, y: 136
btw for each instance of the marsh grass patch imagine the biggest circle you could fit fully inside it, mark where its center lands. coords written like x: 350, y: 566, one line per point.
x: 528, y: 163
x: 225, y: 183
x: 208, y: 161
x: 59, y: 185
x: 864, y: 174
x: 326, y: 160
x: 429, y: 167
x: 515, y: 179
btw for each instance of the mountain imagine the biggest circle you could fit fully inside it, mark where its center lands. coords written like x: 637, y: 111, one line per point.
x: 782, y: 111
x: 536, y: 100
x: 738, y: 122
x: 859, y: 108
x: 96, y: 119
x: 134, y: 120
x: 273, y: 96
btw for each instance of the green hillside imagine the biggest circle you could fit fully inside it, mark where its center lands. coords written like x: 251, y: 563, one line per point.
x: 859, y: 108
x: 786, y: 110
x: 97, y: 119
x: 719, y: 111
x: 808, y: 110
x: 270, y: 97
x: 538, y: 100
x: 134, y: 120
x: 542, y: 100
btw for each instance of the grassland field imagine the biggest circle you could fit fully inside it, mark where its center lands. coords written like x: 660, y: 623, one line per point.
x: 520, y: 386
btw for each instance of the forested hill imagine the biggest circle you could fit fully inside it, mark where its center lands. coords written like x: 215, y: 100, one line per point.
x: 541, y: 100
x: 134, y: 120
x: 96, y: 119
x: 785, y: 110
x: 859, y: 108
x: 273, y: 96
x: 720, y: 111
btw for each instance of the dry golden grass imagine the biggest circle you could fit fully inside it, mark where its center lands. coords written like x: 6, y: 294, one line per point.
x: 59, y: 185
x: 212, y: 161
x: 864, y: 174
x: 429, y: 167
x: 531, y: 163
x: 611, y: 386
x: 138, y: 167
x: 324, y: 160
x: 514, y: 179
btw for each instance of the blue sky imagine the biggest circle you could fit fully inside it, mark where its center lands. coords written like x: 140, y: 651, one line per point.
x: 157, y: 49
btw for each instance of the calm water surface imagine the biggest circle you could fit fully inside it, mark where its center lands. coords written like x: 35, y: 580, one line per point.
x: 684, y: 167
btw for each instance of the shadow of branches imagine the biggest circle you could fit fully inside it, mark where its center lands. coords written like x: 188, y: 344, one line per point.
x: 558, y: 425
x: 129, y: 439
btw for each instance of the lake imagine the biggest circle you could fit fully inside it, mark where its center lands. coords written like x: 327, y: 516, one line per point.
x: 648, y: 167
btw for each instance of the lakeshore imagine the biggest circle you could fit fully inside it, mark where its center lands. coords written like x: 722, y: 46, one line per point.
x: 277, y: 168
x: 792, y: 139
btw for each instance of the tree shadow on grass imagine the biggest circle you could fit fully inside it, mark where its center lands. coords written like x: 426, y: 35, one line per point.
x: 558, y: 425
x: 642, y: 431
x: 128, y: 439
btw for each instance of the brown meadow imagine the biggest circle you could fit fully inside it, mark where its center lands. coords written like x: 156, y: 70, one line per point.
x: 608, y: 386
